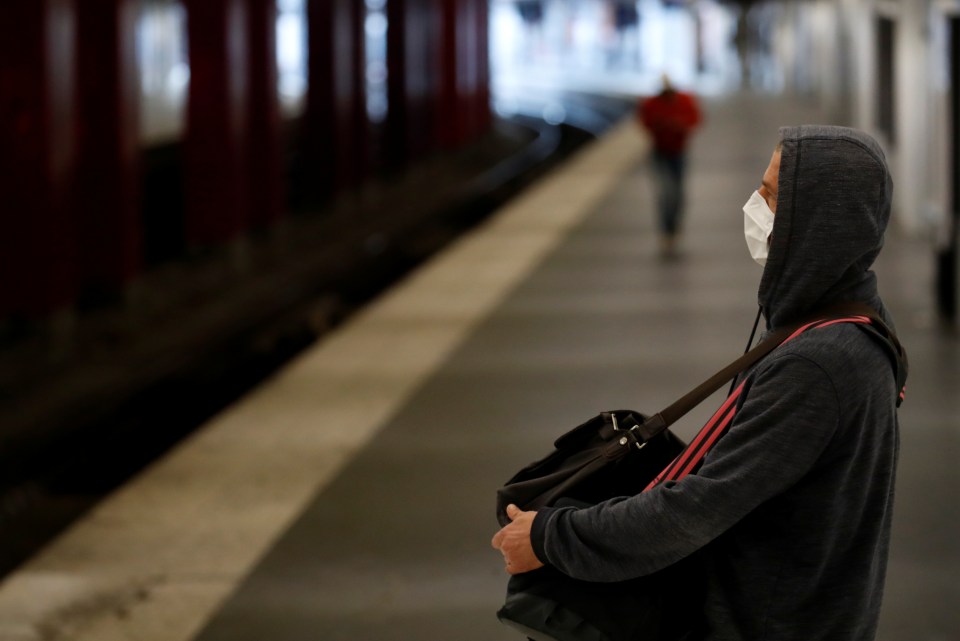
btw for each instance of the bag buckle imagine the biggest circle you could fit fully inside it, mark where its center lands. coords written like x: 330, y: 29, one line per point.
x: 624, y: 440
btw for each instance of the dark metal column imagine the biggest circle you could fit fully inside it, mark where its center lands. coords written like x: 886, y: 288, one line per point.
x: 37, y: 157
x: 108, y: 144
x: 217, y: 118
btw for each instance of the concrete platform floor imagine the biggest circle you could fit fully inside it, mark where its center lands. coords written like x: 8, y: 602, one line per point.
x: 352, y: 497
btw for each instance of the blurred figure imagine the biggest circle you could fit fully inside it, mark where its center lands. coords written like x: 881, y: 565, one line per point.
x: 531, y: 13
x: 669, y: 117
x: 626, y: 23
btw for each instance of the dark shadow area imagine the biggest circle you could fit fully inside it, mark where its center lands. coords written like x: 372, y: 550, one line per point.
x: 203, y: 330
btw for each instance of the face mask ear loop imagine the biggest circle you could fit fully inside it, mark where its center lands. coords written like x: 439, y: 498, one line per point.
x: 753, y: 332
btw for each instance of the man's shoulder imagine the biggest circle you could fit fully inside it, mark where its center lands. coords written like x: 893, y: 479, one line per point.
x: 841, y: 350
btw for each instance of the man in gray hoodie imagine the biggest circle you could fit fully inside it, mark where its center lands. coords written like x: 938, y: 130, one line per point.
x: 791, y: 508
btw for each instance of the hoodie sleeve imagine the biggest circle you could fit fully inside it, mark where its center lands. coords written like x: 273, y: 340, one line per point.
x: 790, y: 413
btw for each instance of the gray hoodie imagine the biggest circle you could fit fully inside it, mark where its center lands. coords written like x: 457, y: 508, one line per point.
x: 791, y: 509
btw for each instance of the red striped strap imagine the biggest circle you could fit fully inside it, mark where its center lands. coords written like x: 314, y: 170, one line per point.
x: 692, y: 456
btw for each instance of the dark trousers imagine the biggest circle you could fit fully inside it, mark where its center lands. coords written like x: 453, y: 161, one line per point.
x: 669, y: 173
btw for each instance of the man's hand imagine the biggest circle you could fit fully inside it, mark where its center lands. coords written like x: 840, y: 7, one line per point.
x: 513, y: 541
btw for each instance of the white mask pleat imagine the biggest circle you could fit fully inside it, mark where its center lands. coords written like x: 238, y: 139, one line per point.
x: 757, y: 227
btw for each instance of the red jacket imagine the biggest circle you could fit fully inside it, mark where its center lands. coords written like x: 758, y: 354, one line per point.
x: 669, y: 117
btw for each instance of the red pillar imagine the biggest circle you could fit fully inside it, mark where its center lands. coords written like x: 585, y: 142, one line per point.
x: 107, y: 202
x: 479, y: 52
x: 463, y: 111
x: 335, y: 133
x: 265, y: 154
x: 349, y: 110
x: 37, y: 159
x: 355, y: 107
x: 468, y: 70
x: 413, y: 75
x: 217, y: 113
x: 484, y: 117
x: 395, y: 132
x: 315, y: 181
x: 449, y: 120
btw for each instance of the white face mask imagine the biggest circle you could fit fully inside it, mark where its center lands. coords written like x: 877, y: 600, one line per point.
x: 757, y: 227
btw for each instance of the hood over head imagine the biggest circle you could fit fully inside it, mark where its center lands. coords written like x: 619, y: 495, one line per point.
x: 833, y: 205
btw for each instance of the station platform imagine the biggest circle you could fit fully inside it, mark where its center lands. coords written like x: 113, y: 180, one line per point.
x: 351, y: 496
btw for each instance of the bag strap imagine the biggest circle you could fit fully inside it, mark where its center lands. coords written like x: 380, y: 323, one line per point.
x: 663, y: 419
x: 898, y: 356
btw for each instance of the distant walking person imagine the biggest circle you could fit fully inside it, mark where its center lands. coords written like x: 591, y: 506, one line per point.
x: 669, y: 117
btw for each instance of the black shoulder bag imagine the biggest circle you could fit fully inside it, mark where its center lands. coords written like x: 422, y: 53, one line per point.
x: 621, y: 453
